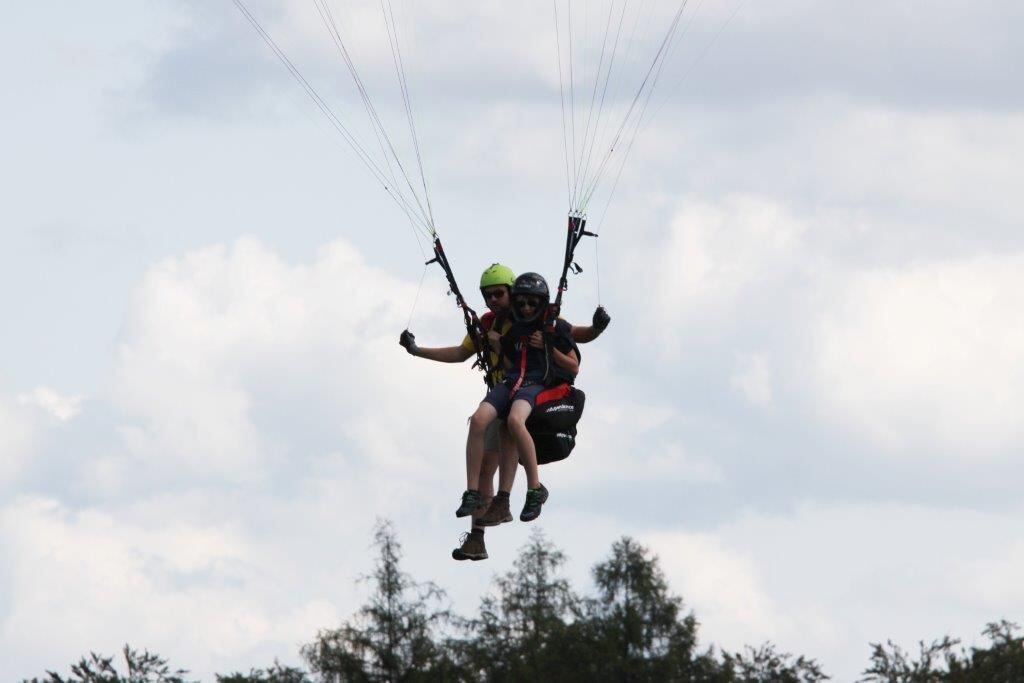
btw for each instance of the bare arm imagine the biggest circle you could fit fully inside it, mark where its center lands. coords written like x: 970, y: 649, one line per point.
x: 444, y: 354
x: 583, y: 335
x: 494, y: 340
x: 566, y: 361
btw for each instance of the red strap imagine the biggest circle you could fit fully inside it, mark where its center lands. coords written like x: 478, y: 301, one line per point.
x: 553, y: 394
x: 487, y: 320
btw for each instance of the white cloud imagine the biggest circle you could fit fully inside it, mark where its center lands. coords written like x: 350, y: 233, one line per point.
x: 18, y: 432
x: 644, y: 429
x: 941, y: 169
x: 828, y: 579
x: 752, y: 378
x: 711, y: 256
x: 992, y: 578
x: 61, y: 407
x: 500, y: 42
x: 610, y: 433
x: 150, y: 578
x: 223, y: 333
x: 721, y: 583
x: 929, y: 356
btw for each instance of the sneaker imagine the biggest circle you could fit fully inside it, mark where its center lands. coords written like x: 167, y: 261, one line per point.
x: 497, y: 512
x: 535, y: 498
x: 472, y: 547
x: 471, y: 502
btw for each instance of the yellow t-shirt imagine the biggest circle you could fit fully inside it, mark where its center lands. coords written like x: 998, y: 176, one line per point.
x: 499, y: 372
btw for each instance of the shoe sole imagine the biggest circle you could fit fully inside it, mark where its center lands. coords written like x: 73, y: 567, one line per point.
x: 503, y: 520
x: 463, y: 513
x: 460, y: 556
x: 524, y: 518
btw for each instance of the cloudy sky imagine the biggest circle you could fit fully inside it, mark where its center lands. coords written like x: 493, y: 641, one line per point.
x: 808, y: 403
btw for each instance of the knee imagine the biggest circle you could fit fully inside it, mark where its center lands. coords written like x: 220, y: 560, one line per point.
x: 479, y: 422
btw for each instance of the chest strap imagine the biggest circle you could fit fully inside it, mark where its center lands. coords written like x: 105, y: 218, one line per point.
x: 522, y: 366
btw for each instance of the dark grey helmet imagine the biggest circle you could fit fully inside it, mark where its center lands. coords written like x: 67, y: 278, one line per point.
x: 530, y: 284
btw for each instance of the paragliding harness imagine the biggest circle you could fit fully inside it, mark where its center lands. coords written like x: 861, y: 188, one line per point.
x: 558, y: 409
x: 554, y: 374
x: 474, y: 327
x: 552, y: 424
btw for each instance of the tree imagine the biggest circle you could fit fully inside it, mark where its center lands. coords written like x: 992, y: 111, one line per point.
x: 275, y: 674
x: 638, y: 625
x: 766, y: 665
x: 144, y: 667
x: 1002, y: 661
x: 525, y: 627
x: 891, y: 664
x: 392, y: 638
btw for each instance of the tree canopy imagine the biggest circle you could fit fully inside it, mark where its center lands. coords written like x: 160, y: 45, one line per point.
x: 534, y: 625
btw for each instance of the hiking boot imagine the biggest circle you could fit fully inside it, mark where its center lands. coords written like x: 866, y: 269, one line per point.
x: 497, y: 512
x: 471, y: 501
x: 535, y: 498
x: 472, y: 547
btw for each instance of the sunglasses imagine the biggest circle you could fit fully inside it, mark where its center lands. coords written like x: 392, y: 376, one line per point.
x: 494, y: 293
x: 530, y: 301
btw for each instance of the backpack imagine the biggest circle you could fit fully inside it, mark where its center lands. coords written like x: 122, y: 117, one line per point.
x: 552, y: 424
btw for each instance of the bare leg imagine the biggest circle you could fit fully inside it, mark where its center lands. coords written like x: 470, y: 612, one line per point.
x: 524, y: 442
x: 487, y: 470
x: 486, y: 485
x: 484, y: 415
x: 509, y: 461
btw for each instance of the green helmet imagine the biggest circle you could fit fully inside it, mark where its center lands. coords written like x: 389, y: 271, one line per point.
x: 497, y: 274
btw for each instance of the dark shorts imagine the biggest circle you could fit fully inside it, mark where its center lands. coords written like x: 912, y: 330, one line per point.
x: 500, y: 397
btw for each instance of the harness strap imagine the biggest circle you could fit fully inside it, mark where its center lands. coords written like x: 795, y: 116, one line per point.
x: 576, y: 231
x: 522, y: 367
x: 555, y: 393
x: 474, y: 328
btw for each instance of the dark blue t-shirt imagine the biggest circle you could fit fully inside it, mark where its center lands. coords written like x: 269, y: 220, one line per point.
x: 540, y: 367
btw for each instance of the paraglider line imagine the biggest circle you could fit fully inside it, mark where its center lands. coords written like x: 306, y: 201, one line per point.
x: 561, y: 92
x: 332, y: 118
x: 419, y: 289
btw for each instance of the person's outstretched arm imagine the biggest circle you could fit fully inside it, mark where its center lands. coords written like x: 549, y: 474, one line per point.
x: 443, y: 354
x: 588, y: 333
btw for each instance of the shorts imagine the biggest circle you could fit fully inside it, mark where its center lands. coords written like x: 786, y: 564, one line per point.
x: 500, y: 397
x: 492, y: 437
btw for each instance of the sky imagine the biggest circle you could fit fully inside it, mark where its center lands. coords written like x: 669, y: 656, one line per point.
x: 807, y: 403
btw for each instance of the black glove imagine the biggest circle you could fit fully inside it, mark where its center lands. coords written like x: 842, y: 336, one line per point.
x: 601, y: 319
x: 408, y: 340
